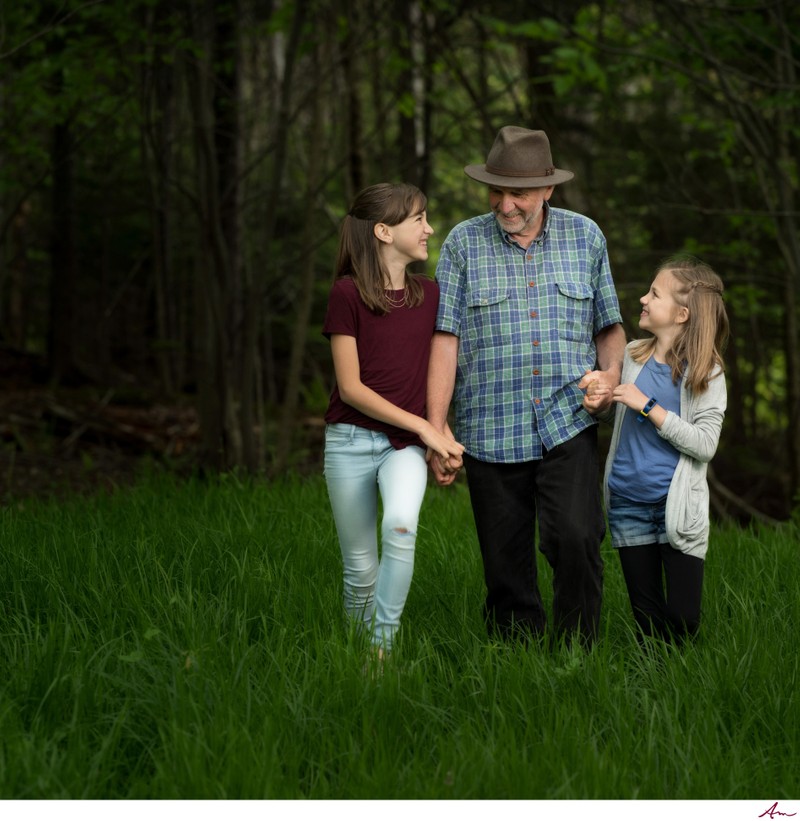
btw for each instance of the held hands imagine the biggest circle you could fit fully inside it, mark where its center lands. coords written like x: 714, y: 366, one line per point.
x: 599, y: 394
x: 598, y: 388
x: 445, y: 462
x: 445, y: 471
x: 442, y: 444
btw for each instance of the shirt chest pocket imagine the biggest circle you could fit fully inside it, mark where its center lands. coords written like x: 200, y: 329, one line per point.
x: 575, y: 311
x: 487, y: 316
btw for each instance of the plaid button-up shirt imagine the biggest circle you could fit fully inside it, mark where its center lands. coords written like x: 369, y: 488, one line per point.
x: 526, y: 321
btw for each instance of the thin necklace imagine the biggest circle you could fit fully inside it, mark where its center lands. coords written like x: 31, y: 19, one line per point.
x: 394, y: 303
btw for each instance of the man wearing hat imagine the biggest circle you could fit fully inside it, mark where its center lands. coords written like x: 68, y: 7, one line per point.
x: 528, y: 317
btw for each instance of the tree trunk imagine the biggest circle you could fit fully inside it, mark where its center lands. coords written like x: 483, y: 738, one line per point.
x: 788, y: 229
x: 241, y: 319
x: 16, y: 309
x: 61, y: 339
x: 221, y: 431
x: 289, y: 415
x: 280, y: 141
x: 354, y: 180
x: 158, y: 137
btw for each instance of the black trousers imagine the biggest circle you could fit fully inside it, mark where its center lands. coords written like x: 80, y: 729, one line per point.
x: 665, y: 588
x: 561, y: 492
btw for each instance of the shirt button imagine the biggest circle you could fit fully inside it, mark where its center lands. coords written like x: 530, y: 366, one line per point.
x: 531, y: 284
x: 536, y: 343
x: 537, y: 401
x: 533, y: 313
x: 529, y: 256
x: 535, y: 371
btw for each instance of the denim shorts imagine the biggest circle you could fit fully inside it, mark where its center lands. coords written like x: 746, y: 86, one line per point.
x: 636, y: 523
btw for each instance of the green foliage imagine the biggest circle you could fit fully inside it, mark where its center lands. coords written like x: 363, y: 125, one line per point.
x: 186, y: 640
x: 316, y: 395
x: 677, y: 118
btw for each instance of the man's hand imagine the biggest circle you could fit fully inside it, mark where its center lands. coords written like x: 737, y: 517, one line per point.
x: 444, y: 470
x: 598, y: 388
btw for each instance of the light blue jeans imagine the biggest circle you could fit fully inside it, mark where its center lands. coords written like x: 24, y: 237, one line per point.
x: 359, y: 463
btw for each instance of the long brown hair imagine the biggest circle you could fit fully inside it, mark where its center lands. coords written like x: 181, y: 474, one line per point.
x: 359, y: 256
x: 698, y: 348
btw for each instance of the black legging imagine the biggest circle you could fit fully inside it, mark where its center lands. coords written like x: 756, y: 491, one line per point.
x: 665, y: 587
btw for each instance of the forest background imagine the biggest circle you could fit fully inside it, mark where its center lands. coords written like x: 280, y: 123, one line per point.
x: 173, y: 175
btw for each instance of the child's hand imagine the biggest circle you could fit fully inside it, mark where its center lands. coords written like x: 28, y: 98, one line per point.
x: 629, y: 395
x: 444, y: 445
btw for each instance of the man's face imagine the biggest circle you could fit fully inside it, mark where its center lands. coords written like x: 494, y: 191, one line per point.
x: 519, y: 210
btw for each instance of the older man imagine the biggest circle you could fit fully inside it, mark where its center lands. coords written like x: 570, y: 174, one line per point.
x: 528, y: 317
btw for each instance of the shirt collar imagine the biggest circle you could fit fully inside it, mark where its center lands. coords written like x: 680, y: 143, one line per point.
x: 542, y: 234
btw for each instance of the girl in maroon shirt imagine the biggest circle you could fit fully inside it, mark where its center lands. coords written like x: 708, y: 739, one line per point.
x: 380, y: 323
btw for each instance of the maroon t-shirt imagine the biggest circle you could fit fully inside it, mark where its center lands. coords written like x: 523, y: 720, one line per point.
x: 393, y: 352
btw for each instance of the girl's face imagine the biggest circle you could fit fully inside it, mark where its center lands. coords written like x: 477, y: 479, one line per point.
x: 661, y: 312
x: 409, y: 238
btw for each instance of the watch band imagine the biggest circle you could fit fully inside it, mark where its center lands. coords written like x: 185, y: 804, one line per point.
x: 645, y: 411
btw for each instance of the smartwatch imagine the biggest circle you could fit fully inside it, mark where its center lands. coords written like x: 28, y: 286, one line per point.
x: 645, y: 411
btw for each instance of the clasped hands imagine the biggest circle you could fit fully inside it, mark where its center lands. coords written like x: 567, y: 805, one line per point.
x: 598, y: 389
x: 445, y: 464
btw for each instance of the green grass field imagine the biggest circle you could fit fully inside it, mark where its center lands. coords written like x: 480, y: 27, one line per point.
x: 186, y: 640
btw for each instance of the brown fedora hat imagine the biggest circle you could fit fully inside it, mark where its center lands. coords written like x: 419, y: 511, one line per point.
x: 519, y: 158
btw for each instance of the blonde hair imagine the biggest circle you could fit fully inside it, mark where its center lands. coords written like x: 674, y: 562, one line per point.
x: 699, y: 345
x: 359, y: 249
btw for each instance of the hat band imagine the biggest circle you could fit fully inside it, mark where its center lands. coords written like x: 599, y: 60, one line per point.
x: 548, y: 172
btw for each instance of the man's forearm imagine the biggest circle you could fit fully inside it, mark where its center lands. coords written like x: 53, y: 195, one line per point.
x: 441, y: 377
x: 610, y: 344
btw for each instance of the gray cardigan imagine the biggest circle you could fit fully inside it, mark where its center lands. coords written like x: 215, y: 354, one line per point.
x: 695, y: 434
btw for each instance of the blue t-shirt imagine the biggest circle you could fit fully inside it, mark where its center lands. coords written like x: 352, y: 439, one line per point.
x: 644, y: 463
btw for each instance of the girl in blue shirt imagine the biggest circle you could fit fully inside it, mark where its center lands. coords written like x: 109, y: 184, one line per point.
x: 670, y: 405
